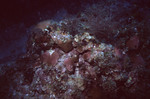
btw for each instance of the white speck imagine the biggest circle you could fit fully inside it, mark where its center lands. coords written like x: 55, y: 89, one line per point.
x: 26, y: 94
x: 57, y: 77
x: 51, y: 52
x: 46, y: 30
x: 102, y: 54
x: 76, y: 39
x: 54, y: 36
x: 124, y: 52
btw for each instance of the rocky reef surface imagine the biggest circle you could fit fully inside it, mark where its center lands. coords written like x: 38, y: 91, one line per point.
x: 92, y: 55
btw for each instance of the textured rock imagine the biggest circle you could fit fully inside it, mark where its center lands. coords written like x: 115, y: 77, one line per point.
x: 63, y: 40
x: 50, y: 57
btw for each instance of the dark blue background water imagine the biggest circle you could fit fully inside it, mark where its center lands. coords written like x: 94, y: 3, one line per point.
x: 18, y: 16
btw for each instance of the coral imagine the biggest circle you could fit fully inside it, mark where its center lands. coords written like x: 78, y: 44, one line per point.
x: 74, y: 61
x: 43, y: 25
x: 63, y: 40
x: 69, y: 63
x: 118, y: 52
x: 90, y: 57
x: 51, y: 57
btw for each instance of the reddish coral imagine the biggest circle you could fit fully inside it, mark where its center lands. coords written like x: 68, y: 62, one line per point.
x: 80, y: 49
x: 50, y: 59
x: 133, y: 42
x: 91, y: 71
x: 87, y: 55
x: 44, y: 24
x: 63, y: 40
x: 69, y: 62
x: 74, y: 52
x: 118, y: 52
x: 67, y: 46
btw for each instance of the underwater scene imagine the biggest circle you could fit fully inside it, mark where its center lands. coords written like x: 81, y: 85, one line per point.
x: 75, y: 49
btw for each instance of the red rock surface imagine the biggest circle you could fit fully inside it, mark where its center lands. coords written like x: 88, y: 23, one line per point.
x: 50, y: 58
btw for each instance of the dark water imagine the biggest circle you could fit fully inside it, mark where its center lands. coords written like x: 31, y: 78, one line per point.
x: 17, y: 17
